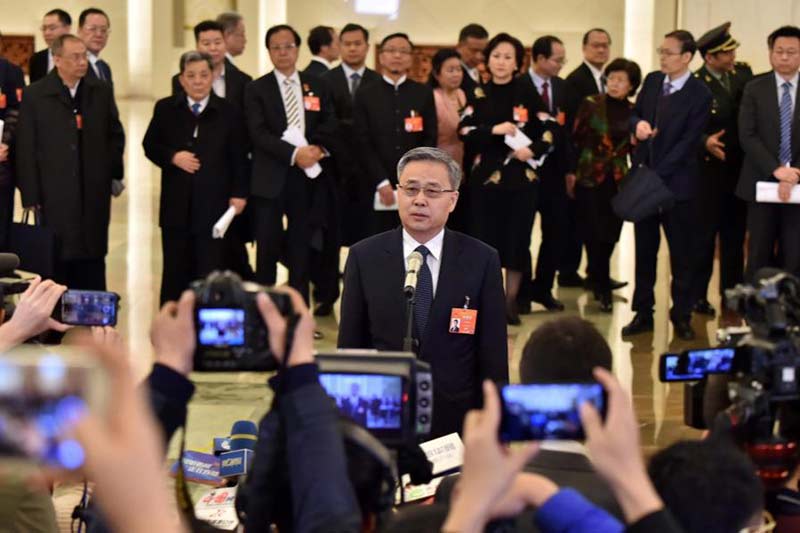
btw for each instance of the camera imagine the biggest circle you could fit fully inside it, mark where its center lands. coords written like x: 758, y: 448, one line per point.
x: 231, y: 334
x: 390, y: 394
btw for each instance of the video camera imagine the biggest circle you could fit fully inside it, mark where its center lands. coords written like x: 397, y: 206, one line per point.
x: 388, y: 393
x: 231, y: 334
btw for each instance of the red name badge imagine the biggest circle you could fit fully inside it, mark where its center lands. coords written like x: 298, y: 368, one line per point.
x: 311, y: 103
x: 3, y: 101
x: 79, y: 121
x: 19, y: 94
x: 520, y: 114
x: 414, y: 124
x: 462, y: 321
x: 561, y: 118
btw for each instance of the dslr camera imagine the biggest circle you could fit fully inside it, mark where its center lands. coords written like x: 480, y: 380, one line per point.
x: 231, y: 334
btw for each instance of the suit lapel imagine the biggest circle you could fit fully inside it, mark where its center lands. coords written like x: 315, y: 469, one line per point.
x: 448, y: 283
x: 277, y: 99
x: 393, y: 264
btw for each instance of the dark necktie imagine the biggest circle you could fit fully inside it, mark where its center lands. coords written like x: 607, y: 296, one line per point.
x: 785, y: 152
x: 603, y: 82
x: 102, y: 73
x: 667, y: 89
x: 726, y: 81
x: 423, y: 297
x: 546, y: 96
x: 355, y: 80
x: 195, y: 109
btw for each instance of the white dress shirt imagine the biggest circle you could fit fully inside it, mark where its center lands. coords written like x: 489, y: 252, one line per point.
x: 349, y: 72
x: 598, y: 76
x: 73, y: 90
x: 229, y: 57
x: 473, y: 72
x: 434, y: 259
x: 219, y: 83
x: 678, y: 83
x: 792, y: 90
x: 203, y: 103
x: 50, y: 63
x: 93, y: 59
x: 538, y: 81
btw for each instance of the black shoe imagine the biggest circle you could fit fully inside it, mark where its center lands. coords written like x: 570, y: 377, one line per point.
x: 703, y: 307
x: 641, y: 323
x: 512, y: 315
x: 571, y: 279
x: 323, y: 310
x: 606, y: 303
x: 616, y: 284
x: 523, y: 308
x: 683, y: 329
x: 547, y: 300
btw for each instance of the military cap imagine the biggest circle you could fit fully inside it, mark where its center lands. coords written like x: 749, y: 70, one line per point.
x: 717, y: 40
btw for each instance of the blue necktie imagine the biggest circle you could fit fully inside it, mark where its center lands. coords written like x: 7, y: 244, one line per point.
x: 195, y: 109
x: 423, y: 297
x: 667, y: 89
x: 785, y: 153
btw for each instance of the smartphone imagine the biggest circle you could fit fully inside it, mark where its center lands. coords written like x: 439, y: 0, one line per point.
x: 89, y: 308
x: 547, y: 411
x: 694, y: 365
x: 42, y: 395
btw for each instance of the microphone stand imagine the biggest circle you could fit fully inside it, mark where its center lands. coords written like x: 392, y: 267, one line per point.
x: 408, y: 340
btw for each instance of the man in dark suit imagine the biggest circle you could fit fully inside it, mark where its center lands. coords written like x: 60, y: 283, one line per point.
x: 324, y: 45
x: 669, y: 119
x: 392, y: 116
x: 355, y: 406
x: 69, y: 149
x: 9, y: 113
x: 197, y: 138
x: 719, y: 211
x: 770, y: 137
x: 472, y: 41
x: 55, y: 23
x: 94, y: 27
x: 235, y: 34
x: 284, y: 179
x: 459, y: 275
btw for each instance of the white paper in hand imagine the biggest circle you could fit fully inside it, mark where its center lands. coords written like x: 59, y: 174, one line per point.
x: 221, y: 226
x: 518, y: 140
x: 378, y: 205
x: 767, y: 193
x: 2, y: 125
x: 296, y: 138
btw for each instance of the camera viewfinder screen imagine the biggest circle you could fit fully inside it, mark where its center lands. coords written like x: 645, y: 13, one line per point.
x: 547, y: 411
x: 372, y: 401
x: 714, y: 361
x: 89, y: 308
x: 220, y: 327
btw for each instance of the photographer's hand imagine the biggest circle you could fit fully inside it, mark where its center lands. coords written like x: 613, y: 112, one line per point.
x: 33, y: 314
x: 173, y: 335
x: 277, y: 324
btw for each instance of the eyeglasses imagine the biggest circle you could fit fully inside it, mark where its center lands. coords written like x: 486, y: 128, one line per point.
x: 412, y: 190
x: 283, y: 47
x: 766, y: 526
x: 788, y: 53
x: 666, y: 52
x: 100, y: 30
x: 401, y: 51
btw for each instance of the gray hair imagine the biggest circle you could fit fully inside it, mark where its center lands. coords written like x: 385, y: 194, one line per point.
x: 193, y: 56
x: 434, y: 155
x: 229, y: 21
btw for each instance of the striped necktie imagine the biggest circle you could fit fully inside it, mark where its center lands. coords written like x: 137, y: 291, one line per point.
x: 292, y: 105
x: 785, y: 152
x: 423, y: 297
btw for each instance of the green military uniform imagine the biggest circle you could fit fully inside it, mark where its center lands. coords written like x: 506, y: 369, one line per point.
x: 720, y: 212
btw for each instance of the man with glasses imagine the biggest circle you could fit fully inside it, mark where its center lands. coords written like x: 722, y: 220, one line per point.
x: 55, y: 23
x: 94, y: 29
x: 292, y: 128
x: 768, y: 130
x: 459, y: 278
x: 391, y: 116
x: 668, y: 120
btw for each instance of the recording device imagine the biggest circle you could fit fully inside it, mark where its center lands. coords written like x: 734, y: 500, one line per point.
x: 390, y: 394
x: 231, y: 334
x: 242, y: 442
x: 694, y: 365
x: 88, y: 308
x: 413, y: 265
x: 10, y: 281
x: 547, y: 411
x: 42, y: 395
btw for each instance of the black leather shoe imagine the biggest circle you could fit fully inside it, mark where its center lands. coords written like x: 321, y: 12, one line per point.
x: 323, y: 310
x: 547, y: 300
x: 683, y: 330
x: 571, y: 279
x: 703, y: 307
x: 512, y: 315
x: 641, y: 323
x: 606, y: 303
x: 616, y: 284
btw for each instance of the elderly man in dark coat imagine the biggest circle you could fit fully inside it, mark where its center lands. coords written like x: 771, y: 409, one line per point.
x: 69, y: 149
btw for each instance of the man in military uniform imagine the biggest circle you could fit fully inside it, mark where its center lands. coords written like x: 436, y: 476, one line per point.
x: 720, y: 212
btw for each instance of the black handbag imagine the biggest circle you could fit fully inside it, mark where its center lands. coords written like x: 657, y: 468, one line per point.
x: 642, y: 193
x: 35, y: 245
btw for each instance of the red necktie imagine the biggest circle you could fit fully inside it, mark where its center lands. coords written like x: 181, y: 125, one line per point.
x: 546, y: 96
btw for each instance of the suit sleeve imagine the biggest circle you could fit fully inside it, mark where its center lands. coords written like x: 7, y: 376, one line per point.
x: 155, y: 148
x: 492, y: 333
x: 749, y: 138
x: 327, y: 133
x: 353, y: 325
x: 689, y: 143
x: 176, y: 85
x: 117, y: 135
x: 237, y: 155
x: 261, y: 137
x: 429, y: 120
x: 27, y: 166
x: 375, y: 173
x: 637, y: 114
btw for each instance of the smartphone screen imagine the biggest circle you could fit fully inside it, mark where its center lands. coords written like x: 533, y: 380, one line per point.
x: 694, y: 365
x: 89, y: 308
x: 547, y: 411
x: 220, y: 326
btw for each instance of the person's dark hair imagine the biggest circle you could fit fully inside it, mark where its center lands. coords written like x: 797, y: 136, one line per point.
x: 543, y: 46
x: 707, y: 485
x: 519, y: 50
x: 91, y: 11
x: 563, y: 349
x: 281, y: 27
x: 475, y: 31
x: 58, y: 42
x: 193, y: 56
x: 688, y: 45
x: 783, y: 31
x: 438, y: 60
x: 62, y: 15
x: 588, y: 33
x: 229, y: 20
x: 354, y: 27
x: 207, y: 25
x: 630, y: 68
x: 318, y: 37
x: 395, y: 36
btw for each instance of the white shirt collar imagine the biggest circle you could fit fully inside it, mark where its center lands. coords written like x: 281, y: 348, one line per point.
x: 229, y: 57
x: 793, y: 82
x: 92, y: 58
x: 222, y: 72
x: 434, y: 245
x: 349, y: 71
x: 391, y: 82
x: 72, y: 90
x: 322, y: 60
x: 596, y: 72
x: 567, y: 446
x: 538, y: 80
x: 203, y: 103
x: 472, y: 71
x: 678, y: 83
x: 295, y: 77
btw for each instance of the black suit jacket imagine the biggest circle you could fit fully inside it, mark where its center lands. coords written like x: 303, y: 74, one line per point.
x: 468, y: 85
x: 196, y: 201
x: 760, y: 133
x: 316, y: 68
x: 91, y: 74
x: 235, y: 82
x: 37, y: 67
x: 681, y: 121
x: 582, y: 82
x: 373, y: 316
x: 266, y: 122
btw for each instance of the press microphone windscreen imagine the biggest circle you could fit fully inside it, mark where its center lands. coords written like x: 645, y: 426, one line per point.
x: 244, y: 434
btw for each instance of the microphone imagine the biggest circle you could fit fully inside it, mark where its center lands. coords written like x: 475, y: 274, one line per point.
x: 237, y: 462
x: 412, y: 271
x: 8, y: 263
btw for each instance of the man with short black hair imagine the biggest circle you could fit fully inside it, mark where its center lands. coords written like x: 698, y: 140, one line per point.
x: 55, y: 23
x: 472, y: 40
x: 324, y: 46
x: 94, y: 27
x: 234, y: 33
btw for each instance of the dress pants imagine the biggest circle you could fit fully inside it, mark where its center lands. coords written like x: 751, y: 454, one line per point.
x: 6, y: 215
x: 678, y: 224
x: 236, y: 254
x: 82, y: 274
x: 187, y: 258
x: 325, y: 260
x: 599, y: 264
x: 768, y: 223
x: 573, y: 249
x: 555, y: 220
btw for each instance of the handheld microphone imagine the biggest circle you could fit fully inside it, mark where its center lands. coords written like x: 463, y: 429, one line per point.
x: 237, y: 462
x: 8, y: 263
x: 412, y: 271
